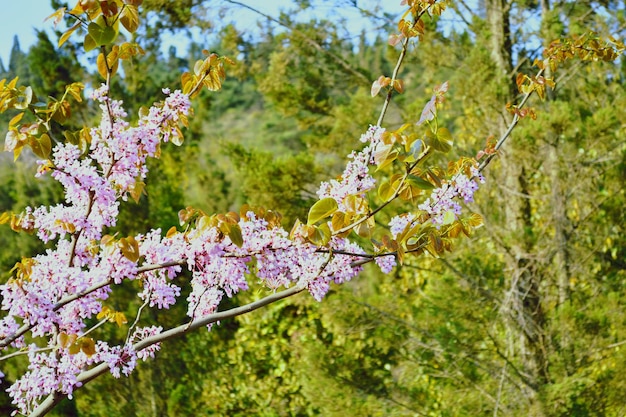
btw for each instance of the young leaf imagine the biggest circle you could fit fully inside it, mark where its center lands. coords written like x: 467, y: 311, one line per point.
x: 66, y: 35
x: 89, y: 44
x: 429, y: 112
x: 449, y: 217
x: 130, y: 248
x: 321, y: 210
x: 339, y: 220
x: 385, y: 191
x: 364, y: 230
x: 16, y: 119
x: 320, y: 235
x: 234, y: 233
x: 58, y: 16
x: 41, y: 146
x: 130, y: 18
x: 88, y: 346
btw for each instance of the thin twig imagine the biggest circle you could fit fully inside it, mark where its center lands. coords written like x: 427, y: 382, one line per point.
x: 342, y: 62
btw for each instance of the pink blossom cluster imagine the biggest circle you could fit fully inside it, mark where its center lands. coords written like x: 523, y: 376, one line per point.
x: 57, y: 292
x: 356, y: 179
x: 47, y: 372
x: 60, y: 290
x: 400, y: 223
x: 386, y: 263
x: 443, y: 199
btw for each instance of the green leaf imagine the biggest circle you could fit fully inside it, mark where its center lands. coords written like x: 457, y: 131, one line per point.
x: 101, y: 35
x: 321, y: 210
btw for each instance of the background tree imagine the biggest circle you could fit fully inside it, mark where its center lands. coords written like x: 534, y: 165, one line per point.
x: 465, y: 335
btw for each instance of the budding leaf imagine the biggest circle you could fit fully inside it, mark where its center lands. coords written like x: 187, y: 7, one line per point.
x: 322, y: 209
x: 15, y: 120
x: 119, y: 318
x: 429, y: 111
x: 57, y: 16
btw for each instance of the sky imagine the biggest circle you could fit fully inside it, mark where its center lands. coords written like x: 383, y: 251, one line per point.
x: 23, y: 17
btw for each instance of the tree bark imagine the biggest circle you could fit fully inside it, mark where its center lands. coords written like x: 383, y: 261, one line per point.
x: 525, y: 315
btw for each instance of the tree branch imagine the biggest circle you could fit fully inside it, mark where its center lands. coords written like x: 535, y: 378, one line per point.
x: 87, y: 376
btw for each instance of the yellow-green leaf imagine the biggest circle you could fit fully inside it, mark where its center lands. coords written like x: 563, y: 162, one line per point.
x: 15, y: 120
x: 41, y: 146
x: 235, y: 235
x: 130, y: 18
x: 5, y: 217
x: 130, y: 248
x: 66, y: 35
x: 138, y: 190
x: 321, y: 210
x: 74, y: 348
x: 65, y: 339
x: 320, y: 235
x: 24, y: 99
x: 89, y: 44
x: 364, y: 230
x: 74, y: 90
x: 475, y: 220
x: 340, y: 220
x: 385, y: 191
x: 449, y: 217
x: 88, y: 346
